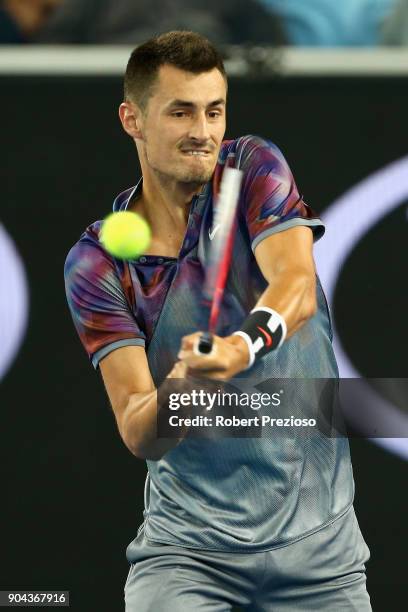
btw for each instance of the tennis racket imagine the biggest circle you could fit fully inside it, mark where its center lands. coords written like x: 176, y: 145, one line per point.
x: 222, y: 241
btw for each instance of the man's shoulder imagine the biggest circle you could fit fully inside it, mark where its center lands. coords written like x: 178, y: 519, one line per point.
x: 87, y: 250
x: 90, y: 236
x: 88, y: 244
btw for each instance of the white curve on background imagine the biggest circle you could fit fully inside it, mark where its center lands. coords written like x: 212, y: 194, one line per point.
x: 13, y: 301
x: 347, y: 220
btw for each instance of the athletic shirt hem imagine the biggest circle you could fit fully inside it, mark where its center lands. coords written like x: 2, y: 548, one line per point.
x: 248, y: 548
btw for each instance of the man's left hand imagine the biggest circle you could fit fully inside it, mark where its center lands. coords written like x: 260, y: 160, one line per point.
x: 229, y: 356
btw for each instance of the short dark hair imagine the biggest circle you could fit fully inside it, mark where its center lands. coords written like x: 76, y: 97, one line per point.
x: 185, y: 50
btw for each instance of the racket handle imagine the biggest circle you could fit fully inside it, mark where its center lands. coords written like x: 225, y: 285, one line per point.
x: 205, y: 343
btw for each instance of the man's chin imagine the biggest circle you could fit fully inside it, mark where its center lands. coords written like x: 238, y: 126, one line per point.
x: 195, y: 178
x: 188, y: 176
x: 199, y: 176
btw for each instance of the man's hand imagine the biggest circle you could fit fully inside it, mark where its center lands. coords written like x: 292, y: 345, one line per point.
x: 229, y: 356
x: 179, y: 370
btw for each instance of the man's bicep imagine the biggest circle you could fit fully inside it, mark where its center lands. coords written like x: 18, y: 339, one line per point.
x: 286, y: 250
x: 125, y: 372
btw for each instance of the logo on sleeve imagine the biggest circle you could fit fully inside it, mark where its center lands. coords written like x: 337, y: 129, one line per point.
x: 212, y: 232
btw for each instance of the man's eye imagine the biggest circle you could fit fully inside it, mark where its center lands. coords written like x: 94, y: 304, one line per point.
x: 179, y: 114
x: 214, y: 114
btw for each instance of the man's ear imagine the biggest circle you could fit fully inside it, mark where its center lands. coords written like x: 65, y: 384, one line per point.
x: 131, y: 118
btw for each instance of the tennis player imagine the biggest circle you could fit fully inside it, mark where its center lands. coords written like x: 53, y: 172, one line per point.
x: 263, y: 524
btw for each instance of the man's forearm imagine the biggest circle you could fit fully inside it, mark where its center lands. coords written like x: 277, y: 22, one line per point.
x: 293, y: 296
x: 139, y: 427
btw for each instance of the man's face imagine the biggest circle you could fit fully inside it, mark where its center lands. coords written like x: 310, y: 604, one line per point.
x: 184, y: 124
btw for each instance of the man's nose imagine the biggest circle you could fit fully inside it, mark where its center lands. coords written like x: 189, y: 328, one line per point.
x: 199, y: 127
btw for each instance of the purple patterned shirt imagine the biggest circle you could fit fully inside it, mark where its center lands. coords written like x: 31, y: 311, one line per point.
x: 225, y: 494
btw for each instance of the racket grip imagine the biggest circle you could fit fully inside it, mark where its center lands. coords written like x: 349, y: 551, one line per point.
x: 205, y: 343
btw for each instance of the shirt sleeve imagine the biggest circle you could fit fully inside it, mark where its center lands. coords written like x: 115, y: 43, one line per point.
x: 271, y: 201
x: 99, y: 308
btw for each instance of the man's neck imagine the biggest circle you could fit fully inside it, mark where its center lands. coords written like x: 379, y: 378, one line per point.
x: 166, y: 207
x: 164, y: 202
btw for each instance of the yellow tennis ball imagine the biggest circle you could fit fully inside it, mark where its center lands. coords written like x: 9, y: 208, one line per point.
x: 125, y: 234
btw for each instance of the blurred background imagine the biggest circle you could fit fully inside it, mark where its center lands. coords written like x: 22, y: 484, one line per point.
x: 327, y: 81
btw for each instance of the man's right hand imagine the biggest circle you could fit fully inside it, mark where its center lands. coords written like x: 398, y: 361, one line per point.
x: 179, y: 370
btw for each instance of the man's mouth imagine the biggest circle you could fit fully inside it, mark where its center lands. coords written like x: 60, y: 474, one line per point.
x: 195, y: 152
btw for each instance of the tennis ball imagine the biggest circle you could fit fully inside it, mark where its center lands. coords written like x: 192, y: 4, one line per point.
x: 125, y: 234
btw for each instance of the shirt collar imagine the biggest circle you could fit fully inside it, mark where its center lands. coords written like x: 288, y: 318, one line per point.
x: 123, y: 200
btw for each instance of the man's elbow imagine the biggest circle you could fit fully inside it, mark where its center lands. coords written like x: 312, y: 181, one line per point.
x: 138, y: 430
x: 309, y: 302
x: 310, y: 306
x: 148, y: 453
x: 140, y: 449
